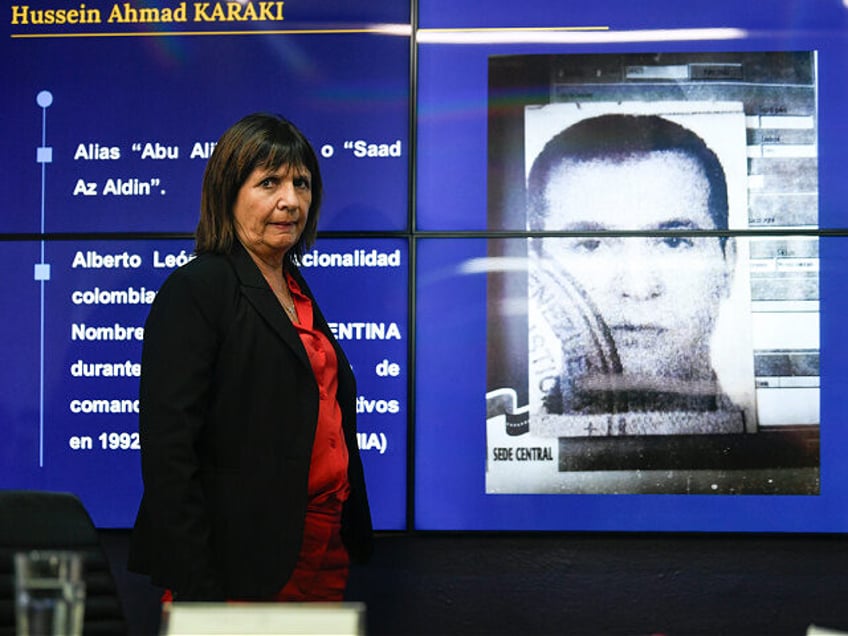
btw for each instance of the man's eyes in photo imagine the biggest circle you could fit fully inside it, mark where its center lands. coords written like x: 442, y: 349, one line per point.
x: 590, y: 245
x: 677, y: 242
x: 586, y: 244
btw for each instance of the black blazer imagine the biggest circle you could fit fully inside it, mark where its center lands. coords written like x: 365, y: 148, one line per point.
x: 228, y: 411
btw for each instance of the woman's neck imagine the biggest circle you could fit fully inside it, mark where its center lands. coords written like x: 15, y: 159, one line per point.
x: 271, y: 266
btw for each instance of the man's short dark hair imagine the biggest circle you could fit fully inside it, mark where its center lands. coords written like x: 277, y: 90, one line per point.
x: 619, y: 138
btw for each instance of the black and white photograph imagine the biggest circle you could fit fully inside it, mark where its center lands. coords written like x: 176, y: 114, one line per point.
x: 633, y: 325
x: 631, y: 294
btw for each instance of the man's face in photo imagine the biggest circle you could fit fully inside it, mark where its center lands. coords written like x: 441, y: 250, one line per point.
x: 658, y: 295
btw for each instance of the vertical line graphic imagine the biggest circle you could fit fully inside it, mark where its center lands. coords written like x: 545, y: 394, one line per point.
x: 44, y: 155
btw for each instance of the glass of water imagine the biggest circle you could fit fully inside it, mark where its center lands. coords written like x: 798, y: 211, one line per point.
x: 49, y: 593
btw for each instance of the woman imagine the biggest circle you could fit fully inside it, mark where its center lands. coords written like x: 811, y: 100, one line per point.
x: 253, y: 483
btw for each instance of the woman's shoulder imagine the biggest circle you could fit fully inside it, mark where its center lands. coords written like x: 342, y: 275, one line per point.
x: 206, y: 273
x: 201, y: 294
x: 203, y: 267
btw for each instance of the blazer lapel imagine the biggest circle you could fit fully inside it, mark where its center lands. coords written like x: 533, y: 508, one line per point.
x: 318, y: 320
x: 255, y: 288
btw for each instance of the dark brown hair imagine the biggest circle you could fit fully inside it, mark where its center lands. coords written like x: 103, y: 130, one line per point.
x: 258, y: 140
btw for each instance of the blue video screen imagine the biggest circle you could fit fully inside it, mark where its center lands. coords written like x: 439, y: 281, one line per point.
x: 640, y: 350
x: 70, y: 391
x: 492, y: 450
x: 109, y: 124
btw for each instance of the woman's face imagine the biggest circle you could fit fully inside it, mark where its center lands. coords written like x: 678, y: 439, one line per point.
x: 271, y: 209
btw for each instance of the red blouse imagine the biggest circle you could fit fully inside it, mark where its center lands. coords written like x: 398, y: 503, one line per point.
x: 328, y: 471
x: 323, y: 564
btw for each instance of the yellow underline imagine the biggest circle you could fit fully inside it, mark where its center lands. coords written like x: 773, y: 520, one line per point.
x: 142, y: 34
